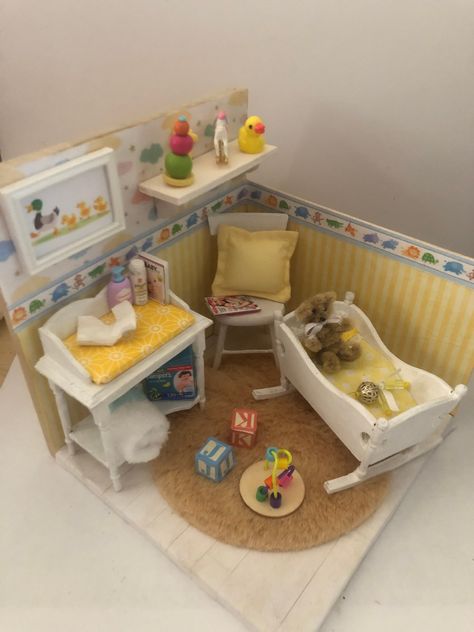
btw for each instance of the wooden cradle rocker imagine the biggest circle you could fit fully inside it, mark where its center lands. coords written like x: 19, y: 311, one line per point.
x: 380, y: 445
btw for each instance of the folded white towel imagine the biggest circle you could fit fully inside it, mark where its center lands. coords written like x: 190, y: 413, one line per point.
x: 92, y: 331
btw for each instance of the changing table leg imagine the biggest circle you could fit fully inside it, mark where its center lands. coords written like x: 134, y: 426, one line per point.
x: 64, y: 416
x: 102, y: 418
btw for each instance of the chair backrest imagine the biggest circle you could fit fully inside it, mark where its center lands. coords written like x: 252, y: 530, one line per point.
x: 249, y: 221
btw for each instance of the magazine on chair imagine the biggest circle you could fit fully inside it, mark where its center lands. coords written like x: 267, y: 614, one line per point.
x: 236, y: 304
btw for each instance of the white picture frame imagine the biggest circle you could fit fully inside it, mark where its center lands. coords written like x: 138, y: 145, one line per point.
x: 75, y: 204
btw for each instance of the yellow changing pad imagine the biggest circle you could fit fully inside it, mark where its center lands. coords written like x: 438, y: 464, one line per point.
x: 376, y: 367
x: 156, y: 325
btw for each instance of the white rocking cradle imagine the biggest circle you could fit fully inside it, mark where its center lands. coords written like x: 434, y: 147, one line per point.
x: 380, y: 445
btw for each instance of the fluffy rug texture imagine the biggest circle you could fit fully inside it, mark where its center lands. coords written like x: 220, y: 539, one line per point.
x: 286, y: 422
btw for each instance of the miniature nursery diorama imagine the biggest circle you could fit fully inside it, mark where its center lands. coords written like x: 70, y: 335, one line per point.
x: 124, y: 257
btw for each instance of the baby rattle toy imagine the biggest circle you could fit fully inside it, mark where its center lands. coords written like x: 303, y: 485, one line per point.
x: 369, y: 392
x: 279, y: 458
x: 283, y: 489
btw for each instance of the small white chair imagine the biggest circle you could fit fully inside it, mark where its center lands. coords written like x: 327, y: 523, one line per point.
x: 251, y: 222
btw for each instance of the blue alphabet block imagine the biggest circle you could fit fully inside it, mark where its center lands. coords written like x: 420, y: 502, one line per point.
x: 214, y: 459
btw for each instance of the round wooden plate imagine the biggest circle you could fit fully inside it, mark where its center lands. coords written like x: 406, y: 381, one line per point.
x: 292, y: 496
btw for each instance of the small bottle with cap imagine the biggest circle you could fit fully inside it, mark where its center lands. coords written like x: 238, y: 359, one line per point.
x: 119, y: 288
x: 137, y: 271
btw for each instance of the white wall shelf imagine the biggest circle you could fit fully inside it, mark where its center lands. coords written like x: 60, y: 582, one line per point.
x: 207, y: 175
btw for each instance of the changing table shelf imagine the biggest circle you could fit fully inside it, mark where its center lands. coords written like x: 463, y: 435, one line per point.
x: 173, y: 406
x: 207, y: 175
x: 87, y: 435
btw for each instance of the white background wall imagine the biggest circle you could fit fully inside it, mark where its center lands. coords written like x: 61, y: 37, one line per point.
x: 371, y: 102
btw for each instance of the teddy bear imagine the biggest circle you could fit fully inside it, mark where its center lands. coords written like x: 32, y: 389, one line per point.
x: 322, y: 333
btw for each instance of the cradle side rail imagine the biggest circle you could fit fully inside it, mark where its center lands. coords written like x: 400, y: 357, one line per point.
x: 394, y: 443
x: 379, y: 445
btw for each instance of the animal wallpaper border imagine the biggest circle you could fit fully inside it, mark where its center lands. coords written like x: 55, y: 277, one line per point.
x: 389, y: 243
x: 139, y: 151
x: 436, y: 260
x: 36, y: 304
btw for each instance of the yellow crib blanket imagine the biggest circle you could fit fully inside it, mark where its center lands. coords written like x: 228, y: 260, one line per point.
x: 156, y: 325
x: 376, y: 367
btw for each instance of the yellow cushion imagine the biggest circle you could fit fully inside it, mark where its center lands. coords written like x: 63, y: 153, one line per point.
x: 255, y: 263
x: 374, y: 366
x: 156, y: 325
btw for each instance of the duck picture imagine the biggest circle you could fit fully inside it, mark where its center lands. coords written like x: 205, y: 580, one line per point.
x: 69, y: 221
x: 100, y: 205
x: 43, y: 223
x: 84, y: 210
x: 251, y: 138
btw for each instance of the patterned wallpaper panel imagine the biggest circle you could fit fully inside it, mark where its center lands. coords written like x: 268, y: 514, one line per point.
x: 139, y: 152
x: 425, y: 319
x: 425, y: 314
x: 34, y: 305
x: 426, y: 256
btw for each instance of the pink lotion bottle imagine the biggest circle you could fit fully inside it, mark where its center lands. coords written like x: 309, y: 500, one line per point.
x: 119, y: 288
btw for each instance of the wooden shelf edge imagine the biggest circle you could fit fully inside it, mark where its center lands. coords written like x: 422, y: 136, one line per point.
x: 207, y: 175
x: 173, y: 406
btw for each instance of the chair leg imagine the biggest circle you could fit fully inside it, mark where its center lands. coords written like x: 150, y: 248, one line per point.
x: 220, y: 345
x: 274, y: 344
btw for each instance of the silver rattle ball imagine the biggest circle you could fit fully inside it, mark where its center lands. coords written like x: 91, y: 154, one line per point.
x: 367, y: 392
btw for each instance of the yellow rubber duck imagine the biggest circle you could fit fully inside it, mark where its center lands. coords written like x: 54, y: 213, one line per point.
x: 251, y: 138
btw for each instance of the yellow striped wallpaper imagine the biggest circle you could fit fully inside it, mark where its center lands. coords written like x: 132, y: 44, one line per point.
x: 425, y: 320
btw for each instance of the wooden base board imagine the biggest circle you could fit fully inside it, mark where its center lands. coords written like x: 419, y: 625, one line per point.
x: 233, y: 576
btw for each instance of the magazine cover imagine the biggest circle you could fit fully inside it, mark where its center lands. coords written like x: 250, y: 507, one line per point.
x: 173, y: 380
x: 157, y: 277
x: 219, y: 305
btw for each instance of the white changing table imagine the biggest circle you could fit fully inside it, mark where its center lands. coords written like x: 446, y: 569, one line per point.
x: 66, y: 375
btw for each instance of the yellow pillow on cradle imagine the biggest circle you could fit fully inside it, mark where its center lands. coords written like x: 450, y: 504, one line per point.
x: 374, y: 366
x: 255, y: 263
x: 156, y: 325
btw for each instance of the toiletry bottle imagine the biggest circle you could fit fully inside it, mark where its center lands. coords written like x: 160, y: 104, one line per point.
x: 137, y: 271
x: 119, y: 288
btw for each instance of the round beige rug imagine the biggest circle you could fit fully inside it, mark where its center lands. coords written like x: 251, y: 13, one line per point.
x: 286, y: 422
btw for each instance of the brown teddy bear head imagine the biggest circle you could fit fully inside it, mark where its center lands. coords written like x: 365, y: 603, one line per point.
x: 316, y: 309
